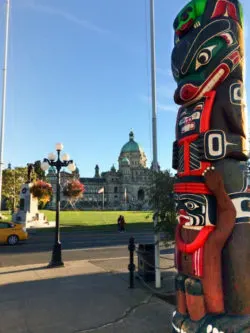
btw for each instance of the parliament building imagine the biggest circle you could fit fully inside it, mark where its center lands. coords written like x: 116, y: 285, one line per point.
x: 126, y: 188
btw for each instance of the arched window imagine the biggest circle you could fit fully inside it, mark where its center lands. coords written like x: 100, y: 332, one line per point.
x: 141, y: 195
x: 115, y: 189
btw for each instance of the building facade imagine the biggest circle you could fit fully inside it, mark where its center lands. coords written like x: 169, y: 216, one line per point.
x: 126, y: 188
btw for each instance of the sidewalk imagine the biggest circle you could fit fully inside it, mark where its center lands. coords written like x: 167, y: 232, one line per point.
x: 84, y: 296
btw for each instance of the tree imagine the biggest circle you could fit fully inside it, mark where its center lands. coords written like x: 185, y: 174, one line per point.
x: 162, y: 200
x: 40, y: 174
x: 11, y: 185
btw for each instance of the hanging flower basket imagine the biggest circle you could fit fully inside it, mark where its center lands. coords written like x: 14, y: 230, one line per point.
x: 42, y: 191
x: 73, y: 189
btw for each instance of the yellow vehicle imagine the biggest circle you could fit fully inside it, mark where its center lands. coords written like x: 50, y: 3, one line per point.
x: 11, y: 233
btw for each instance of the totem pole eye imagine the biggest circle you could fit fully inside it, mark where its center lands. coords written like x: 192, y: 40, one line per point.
x: 186, y: 13
x: 191, y: 205
x: 184, y: 16
x: 204, y: 57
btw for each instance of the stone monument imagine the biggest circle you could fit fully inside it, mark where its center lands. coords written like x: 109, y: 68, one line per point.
x: 28, y: 213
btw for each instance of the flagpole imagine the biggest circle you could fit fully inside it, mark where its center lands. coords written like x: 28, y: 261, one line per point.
x: 103, y: 199
x: 4, y: 95
x: 154, y: 135
x: 125, y: 198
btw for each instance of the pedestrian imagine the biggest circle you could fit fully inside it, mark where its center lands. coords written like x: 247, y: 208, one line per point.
x: 122, y: 223
x: 119, y: 223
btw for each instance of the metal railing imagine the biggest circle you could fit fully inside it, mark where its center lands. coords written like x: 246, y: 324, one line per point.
x: 148, y: 267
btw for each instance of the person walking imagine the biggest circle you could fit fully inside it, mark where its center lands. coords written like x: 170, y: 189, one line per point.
x: 119, y: 223
x: 122, y: 224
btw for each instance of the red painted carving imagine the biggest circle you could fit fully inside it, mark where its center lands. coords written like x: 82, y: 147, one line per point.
x: 225, y: 8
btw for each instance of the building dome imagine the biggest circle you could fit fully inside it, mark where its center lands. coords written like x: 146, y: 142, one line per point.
x: 125, y: 161
x: 113, y: 169
x: 131, y: 146
x: 52, y: 169
x: 133, y: 152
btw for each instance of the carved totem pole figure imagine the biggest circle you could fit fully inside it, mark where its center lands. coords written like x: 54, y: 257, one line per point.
x: 210, y: 154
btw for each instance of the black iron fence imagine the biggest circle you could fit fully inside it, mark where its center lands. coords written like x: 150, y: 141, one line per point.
x: 146, y: 263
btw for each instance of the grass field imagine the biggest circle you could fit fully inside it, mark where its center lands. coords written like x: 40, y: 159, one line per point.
x: 101, y: 220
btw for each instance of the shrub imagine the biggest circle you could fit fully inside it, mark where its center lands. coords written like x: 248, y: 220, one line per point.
x: 162, y: 201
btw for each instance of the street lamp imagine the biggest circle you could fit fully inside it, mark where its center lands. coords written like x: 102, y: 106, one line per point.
x: 56, y: 260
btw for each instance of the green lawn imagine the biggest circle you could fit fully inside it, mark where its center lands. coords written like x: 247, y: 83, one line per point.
x: 105, y: 220
x: 99, y: 220
x: 6, y: 214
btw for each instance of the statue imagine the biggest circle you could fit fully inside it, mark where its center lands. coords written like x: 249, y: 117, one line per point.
x: 30, y: 169
x: 210, y: 154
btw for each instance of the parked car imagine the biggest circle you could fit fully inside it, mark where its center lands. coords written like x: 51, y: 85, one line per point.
x: 11, y: 233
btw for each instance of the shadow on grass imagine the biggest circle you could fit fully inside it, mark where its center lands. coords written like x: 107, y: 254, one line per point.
x: 130, y: 227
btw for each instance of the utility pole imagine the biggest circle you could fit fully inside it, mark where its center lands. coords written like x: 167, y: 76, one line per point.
x: 154, y: 134
x: 4, y: 95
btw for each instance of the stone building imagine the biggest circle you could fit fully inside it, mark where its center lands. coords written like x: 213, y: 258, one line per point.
x: 125, y: 188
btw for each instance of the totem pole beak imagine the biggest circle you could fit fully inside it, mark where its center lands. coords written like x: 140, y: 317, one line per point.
x: 183, y: 217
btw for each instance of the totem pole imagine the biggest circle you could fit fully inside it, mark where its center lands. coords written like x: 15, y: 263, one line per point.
x: 210, y: 154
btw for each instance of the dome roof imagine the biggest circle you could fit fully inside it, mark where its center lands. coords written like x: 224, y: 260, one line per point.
x: 52, y: 169
x: 131, y: 146
x: 113, y: 169
x: 125, y: 161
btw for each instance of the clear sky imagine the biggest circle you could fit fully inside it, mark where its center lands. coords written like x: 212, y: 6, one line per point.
x: 79, y: 73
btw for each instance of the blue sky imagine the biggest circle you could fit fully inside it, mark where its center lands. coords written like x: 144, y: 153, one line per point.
x: 79, y: 73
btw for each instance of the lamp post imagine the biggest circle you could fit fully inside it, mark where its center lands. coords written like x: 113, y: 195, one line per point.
x: 56, y: 260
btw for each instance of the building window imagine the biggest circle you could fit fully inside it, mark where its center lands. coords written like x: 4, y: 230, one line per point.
x: 141, y: 195
x: 115, y: 189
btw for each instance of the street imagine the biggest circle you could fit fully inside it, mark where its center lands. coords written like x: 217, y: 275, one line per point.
x: 75, y: 246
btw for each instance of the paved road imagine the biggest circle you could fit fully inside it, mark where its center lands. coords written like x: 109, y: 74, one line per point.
x: 75, y: 245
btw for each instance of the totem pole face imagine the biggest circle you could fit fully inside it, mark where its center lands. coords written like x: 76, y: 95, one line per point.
x: 207, y: 48
x: 195, y: 210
